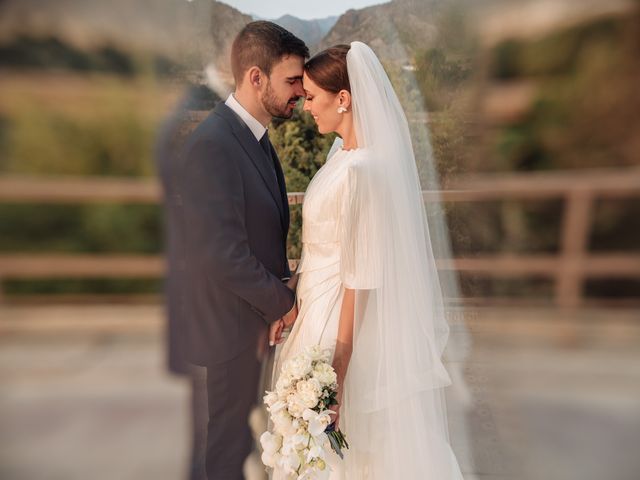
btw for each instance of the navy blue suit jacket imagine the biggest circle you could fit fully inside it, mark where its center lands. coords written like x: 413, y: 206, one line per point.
x: 234, y: 219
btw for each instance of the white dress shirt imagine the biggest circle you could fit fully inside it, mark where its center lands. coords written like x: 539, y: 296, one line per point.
x: 250, y: 121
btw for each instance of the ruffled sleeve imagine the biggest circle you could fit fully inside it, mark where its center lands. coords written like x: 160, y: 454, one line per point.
x: 360, y: 231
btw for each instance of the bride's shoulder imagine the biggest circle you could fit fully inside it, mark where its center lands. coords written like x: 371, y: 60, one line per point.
x: 358, y: 157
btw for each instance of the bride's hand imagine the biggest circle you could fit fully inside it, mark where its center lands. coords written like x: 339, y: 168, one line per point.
x: 336, y: 408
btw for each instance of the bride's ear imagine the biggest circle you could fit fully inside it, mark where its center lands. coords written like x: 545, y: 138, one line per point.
x: 344, y: 99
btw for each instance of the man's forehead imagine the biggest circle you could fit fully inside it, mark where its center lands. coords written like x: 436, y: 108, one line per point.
x: 290, y: 65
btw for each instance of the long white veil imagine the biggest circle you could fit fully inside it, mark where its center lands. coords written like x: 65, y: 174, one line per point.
x: 395, y: 414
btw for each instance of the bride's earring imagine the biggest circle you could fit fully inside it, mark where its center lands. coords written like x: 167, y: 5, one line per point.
x: 341, y: 109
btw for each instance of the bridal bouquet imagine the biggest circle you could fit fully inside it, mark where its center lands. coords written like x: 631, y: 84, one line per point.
x: 299, y: 411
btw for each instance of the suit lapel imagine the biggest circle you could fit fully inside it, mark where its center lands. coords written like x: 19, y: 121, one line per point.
x: 255, y: 152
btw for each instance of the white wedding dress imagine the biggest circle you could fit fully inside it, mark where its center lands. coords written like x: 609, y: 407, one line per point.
x: 320, y: 286
x: 364, y: 227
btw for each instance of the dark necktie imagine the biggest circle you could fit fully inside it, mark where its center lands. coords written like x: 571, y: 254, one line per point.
x: 266, y: 146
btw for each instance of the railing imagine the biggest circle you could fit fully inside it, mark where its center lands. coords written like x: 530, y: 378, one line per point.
x: 569, y: 268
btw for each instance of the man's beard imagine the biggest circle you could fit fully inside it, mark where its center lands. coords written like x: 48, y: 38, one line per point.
x: 276, y: 107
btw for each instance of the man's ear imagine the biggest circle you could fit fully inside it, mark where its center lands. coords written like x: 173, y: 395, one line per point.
x: 255, y: 77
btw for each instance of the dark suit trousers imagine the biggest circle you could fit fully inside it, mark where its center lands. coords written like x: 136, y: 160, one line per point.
x: 232, y: 389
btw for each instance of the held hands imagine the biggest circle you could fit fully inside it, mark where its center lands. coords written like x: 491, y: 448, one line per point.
x: 290, y: 318
x: 276, y: 329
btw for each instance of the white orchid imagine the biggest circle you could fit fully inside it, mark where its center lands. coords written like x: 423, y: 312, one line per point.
x: 317, y: 451
x: 290, y: 463
x: 270, y: 398
x: 270, y: 459
x: 318, y: 422
x: 276, y: 406
x: 270, y: 442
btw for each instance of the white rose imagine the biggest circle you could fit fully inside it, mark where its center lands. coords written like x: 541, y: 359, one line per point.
x: 295, y: 405
x: 325, y: 374
x: 314, y: 352
x: 283, y: 383
x: 299, y: 367
x: 309, y: 392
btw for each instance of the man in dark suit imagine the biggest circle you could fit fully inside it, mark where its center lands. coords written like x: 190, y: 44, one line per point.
x: 235, y: 222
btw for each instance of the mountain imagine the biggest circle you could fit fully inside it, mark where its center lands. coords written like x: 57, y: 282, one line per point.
x: 395, y: 30
x: 311, y: 31
x: 195, y: 33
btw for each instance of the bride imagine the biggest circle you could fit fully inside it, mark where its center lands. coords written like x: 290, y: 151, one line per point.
x: 367, y: 283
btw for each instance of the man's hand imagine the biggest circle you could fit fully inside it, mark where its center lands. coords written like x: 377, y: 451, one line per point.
x: 277, y: 327
x: 275, y: 332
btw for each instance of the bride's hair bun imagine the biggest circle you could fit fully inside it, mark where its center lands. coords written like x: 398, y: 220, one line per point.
x: 328, y: 69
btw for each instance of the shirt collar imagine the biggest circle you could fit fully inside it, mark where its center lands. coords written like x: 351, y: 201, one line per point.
x: 250, y: 121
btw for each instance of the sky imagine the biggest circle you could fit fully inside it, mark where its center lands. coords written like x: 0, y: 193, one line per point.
x: 307, y: 9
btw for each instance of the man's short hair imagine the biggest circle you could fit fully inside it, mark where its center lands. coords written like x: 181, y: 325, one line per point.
x: 263, y: 44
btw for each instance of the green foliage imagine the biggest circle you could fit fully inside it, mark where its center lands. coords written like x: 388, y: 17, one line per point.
x: 439, y: 77
x: 559, y: 53
x: 584, y: 109
x: 302, y: 152
x: 117, y: 140
x: 91, y: 228
x: 51, y: 52
x: 300, y: 148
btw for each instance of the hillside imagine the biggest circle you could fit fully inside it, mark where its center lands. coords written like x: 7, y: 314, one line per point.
x: 194, y: 33
x: 311, y: 31
x: 395, y: 30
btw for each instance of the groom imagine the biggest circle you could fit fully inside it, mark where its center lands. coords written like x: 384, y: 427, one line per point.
x: 235, y: 222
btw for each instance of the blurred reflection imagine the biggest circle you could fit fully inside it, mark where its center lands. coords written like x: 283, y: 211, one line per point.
x: 171, y: 139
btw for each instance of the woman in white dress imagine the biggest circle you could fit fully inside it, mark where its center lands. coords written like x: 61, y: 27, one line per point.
x: 367, y: 285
